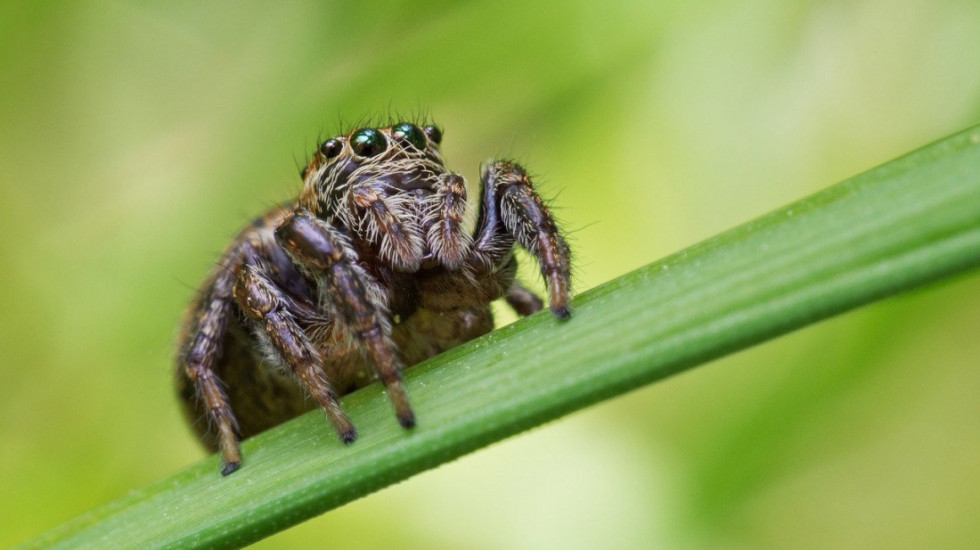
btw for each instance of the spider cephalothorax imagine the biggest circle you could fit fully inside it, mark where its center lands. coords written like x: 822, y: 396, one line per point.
x: 372, y: 269
x: 390, y: 186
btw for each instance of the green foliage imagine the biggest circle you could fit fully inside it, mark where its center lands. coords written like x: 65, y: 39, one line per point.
x: 904, y: 224
x: 138, y: 137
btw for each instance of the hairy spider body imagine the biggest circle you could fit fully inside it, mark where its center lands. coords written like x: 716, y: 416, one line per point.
x: 371, y: 269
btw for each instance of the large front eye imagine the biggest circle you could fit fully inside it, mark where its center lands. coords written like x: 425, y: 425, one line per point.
x: 368, y: 142
x: 331, y: 148
x: 409, y: 132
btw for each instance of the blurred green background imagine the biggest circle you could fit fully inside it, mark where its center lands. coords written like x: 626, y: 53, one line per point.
x: 135, y: 140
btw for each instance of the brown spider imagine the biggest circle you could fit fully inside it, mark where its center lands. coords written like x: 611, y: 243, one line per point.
x: 369, y: 270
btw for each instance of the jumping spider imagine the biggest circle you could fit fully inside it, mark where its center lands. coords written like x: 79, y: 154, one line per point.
x: 371, y: 269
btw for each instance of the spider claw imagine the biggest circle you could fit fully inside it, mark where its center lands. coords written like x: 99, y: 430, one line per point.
x: 230, y: 468
x: 345, y: 428
x: 403, y: 409
x: 561, y: 312
x: 348, y: 436
x: 407, y: 420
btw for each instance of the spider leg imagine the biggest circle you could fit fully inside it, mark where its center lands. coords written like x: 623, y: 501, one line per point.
x: 198, y: 358
x: 444, y: 217
x: 269, y: 309
x: 326, y: 256
x: 392, y: 220
x: 511, y: 210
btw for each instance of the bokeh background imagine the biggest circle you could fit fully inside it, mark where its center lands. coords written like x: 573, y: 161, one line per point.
x: 136, y: 139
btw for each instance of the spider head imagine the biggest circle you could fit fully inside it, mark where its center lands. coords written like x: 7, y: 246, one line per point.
x: 401, y: 158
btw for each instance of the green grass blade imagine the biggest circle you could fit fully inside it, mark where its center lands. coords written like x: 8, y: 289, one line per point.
x: 909, y: 222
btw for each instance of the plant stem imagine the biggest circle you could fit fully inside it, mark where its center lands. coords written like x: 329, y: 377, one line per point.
x: 904, y: 224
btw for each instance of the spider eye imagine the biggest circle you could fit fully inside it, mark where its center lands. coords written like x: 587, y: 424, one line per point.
x: 434, y: 133
x: 331, y: 148
x: 406, y: 131
x: 368, y: 142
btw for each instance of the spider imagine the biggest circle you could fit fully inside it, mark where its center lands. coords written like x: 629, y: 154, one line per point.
x: 371, y: 269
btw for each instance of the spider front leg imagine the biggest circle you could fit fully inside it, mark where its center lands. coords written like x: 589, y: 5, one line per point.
x: 511, y: 210
x: 269, y: 309
x: 326, y: 256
